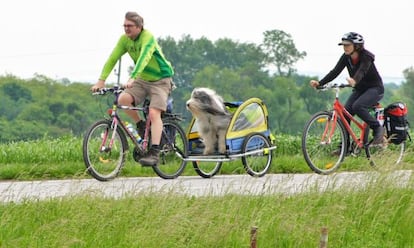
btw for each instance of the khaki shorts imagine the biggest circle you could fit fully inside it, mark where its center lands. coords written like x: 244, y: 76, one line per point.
x: 157, y: 92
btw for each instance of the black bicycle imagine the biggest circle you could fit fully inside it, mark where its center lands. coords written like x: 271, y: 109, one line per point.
x: 105, y: 144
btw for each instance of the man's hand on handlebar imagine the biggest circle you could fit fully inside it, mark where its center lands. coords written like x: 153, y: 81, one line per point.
x: 99, y: 85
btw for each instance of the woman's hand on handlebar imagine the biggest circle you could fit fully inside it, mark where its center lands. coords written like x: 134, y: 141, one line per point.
x: 99, y: 85
x: 351, y: 82
x: 314, y: 83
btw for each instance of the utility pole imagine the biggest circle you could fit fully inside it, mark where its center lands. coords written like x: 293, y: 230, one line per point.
x: 118, y: 72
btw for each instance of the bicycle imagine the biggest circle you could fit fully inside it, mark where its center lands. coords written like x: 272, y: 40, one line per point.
x: 105, y: 144
x: 325, y: 141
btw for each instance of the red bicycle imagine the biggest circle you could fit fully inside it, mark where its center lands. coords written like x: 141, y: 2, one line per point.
x: 325, y: 139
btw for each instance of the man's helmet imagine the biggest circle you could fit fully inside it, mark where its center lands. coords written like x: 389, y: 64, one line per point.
x: 353, y: 37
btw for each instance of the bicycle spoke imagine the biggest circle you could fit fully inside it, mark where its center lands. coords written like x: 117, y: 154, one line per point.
x: 323, y: 147
x: 104, y: 151
x: 173, y: 148
x: 388, y: 155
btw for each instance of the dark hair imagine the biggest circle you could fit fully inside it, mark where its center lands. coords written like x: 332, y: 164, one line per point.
x: 359, y: 47
x: 134, y: 17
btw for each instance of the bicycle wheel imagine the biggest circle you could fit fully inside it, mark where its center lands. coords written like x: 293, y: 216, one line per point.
x: 173, y: 148
x: 104, y: 150
x: 388, y: 154
x: 324, y: 152
x: 258, y: 157
x: 207, y: 169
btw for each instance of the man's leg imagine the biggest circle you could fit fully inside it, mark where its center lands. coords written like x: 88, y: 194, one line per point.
x: 127, y: 100
x: 159, y: 92
x: 156, y: 125
x: 152, y: 157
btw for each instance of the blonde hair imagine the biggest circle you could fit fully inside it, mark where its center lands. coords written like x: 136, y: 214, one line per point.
x: 134, y: 17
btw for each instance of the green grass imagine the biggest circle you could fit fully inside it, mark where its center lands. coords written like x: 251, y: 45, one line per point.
x: 381, y: 215
x: 62, y: 158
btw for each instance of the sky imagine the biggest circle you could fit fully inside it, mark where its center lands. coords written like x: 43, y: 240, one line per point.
x: 73, y: 38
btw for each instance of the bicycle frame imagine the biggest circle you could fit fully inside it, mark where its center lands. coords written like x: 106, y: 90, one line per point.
x: 116, y: 121
x: 340, y: 111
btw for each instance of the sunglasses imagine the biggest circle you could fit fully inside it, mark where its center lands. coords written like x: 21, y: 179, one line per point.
x: 129, y: 25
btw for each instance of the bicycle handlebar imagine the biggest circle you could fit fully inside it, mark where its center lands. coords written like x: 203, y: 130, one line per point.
x: 332, y: 86
x: 103, y: 91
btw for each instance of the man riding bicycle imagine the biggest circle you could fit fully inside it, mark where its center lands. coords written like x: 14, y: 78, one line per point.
x: 368, y: 88
x: 151, y: 77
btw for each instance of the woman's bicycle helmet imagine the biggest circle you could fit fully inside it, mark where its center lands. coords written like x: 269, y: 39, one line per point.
x: 353, y: 37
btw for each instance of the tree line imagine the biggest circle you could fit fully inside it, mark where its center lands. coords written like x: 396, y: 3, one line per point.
x: 39, y: 106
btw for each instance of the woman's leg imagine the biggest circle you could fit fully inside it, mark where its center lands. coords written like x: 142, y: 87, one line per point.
x: 361, y: 107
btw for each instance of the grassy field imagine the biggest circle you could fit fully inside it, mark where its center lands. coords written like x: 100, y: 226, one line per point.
x: 62, y: 158
x: 380, y: 215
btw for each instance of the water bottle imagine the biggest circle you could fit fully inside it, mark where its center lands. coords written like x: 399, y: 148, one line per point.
x: 133, y: 131
x: 379, y: 114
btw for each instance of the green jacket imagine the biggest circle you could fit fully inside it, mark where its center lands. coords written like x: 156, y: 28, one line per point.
x: 150, y: 63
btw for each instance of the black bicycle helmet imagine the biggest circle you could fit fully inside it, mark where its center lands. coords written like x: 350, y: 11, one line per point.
x: 353, y: 37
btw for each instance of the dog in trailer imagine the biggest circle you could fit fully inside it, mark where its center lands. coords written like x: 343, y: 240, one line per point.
x: 212, y: 118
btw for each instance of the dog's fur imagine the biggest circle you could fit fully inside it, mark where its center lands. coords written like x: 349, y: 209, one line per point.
x: 212, y: 118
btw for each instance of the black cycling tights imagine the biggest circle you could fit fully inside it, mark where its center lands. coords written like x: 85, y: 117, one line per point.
x: 359, y: 104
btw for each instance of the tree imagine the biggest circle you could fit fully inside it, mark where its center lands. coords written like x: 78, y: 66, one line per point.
x: 16, y: 92
x: 407, y: 91
x: 314, y: 100
x: 36, y: 112
x: 187, y: 56
x: 408, y: 85
x: 56, y: 108
x: 233, y: 55
x: 280, y: 51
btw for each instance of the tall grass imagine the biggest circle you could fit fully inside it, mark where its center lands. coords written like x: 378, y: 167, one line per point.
x: 62, y: 158
x: 380, y: 215
x: 46, y: 150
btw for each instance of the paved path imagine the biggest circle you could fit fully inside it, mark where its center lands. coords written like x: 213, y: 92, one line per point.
x: 12, y: 191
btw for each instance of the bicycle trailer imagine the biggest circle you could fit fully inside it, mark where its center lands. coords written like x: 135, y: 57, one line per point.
x: 248, y: 117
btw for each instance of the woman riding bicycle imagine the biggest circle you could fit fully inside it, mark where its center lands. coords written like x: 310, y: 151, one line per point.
x: 363, y: 77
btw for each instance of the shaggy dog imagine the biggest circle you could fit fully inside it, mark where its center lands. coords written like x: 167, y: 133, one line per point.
x: 212, y: 118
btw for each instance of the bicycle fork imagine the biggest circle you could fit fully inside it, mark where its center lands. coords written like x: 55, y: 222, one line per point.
x: 329, y: 130
x: 114, y: 126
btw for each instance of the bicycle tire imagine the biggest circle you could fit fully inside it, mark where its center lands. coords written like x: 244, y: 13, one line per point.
x: 173, y: 148
x: 323, y: 157
x: 388, y: 154
x: 103, y: 162
x: 256, y: 164
x: 207, y: 169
